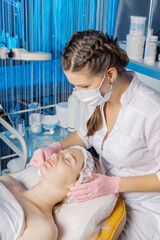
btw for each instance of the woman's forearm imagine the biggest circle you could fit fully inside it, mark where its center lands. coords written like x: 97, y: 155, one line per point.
x: 71, y: 140
x: 147, y: 183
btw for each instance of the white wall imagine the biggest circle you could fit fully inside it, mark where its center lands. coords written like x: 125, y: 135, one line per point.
x: 152, y: 82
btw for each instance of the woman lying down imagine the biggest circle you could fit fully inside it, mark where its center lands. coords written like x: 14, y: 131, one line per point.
x: 33, y: 207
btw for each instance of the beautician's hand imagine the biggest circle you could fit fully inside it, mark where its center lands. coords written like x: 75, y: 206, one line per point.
x: 42, y: 154
x: 101, y: 185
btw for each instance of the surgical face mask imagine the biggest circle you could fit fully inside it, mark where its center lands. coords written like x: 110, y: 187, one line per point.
x: 93, y: 97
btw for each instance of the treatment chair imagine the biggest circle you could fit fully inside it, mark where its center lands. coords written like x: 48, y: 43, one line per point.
x: 116, y: 221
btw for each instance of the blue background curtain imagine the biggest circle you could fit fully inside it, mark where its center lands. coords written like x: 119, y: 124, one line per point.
x: 45, y: 25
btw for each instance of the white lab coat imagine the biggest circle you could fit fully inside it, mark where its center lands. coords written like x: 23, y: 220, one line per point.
x: 133, y: 149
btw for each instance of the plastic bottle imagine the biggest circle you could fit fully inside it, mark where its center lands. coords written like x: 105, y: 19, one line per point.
x: 62, y: 114
x: 150, y: 33
x: 73, y: 110
x: 137, y: 25
x: 80, y: 115
x: 151, y: 49
x: 135, y: 46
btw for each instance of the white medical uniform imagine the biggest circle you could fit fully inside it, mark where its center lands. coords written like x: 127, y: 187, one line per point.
x: 133, y: 149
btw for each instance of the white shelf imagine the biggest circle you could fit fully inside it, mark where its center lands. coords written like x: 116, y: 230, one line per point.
x: 143, y: 68
x: 151, y: 70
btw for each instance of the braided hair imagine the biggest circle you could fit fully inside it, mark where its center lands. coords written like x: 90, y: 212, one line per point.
x: 98, y: 52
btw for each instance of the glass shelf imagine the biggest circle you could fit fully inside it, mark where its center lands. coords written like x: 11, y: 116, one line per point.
x: 38, y: 140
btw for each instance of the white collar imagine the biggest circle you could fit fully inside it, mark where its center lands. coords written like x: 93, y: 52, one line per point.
x: 132, y: 89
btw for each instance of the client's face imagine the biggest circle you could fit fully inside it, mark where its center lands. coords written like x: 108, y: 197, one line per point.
x: 62, y: 169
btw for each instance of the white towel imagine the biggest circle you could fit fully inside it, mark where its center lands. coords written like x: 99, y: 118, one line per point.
x: 12, y: 219
x: 28, y: 177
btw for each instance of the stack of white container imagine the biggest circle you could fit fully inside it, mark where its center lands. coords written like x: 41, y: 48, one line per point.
x: 70, y: 114
x: 136, y: 41
x: 136, y: 38
x: 62, y: 114
x: 76, y: 110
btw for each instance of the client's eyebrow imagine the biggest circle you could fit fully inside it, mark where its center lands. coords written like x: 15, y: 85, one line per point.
x: 73, y: 157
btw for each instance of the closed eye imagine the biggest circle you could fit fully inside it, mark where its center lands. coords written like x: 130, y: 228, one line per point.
x: 67, y: 161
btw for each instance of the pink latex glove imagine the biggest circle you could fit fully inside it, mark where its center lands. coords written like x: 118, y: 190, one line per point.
x: 42, y: 154
x: 101, y: 185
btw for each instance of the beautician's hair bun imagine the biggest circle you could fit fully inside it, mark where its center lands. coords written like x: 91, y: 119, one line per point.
x: 112, y: 46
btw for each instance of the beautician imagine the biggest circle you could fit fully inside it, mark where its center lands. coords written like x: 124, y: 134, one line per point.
x: 122, y: 123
